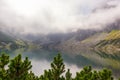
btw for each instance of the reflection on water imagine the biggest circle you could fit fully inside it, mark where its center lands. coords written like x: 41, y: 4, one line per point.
x: 41, y: 60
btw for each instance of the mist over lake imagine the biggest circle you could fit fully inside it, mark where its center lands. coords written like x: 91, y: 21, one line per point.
x: 84, y: 32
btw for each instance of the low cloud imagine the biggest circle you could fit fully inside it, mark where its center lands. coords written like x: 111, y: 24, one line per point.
x: 50, y: 16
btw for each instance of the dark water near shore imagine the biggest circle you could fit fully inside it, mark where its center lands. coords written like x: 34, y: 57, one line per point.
x: 41, y: 60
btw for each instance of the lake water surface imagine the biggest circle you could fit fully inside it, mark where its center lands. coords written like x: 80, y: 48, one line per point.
x: 41, y: 60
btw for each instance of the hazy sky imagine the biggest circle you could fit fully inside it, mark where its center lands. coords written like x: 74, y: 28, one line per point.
x: 46, y: 16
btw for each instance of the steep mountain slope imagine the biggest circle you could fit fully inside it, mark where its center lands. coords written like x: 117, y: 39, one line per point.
x: 101, y: 40
x: 115, y: 34
x: 4, y: 37
x: 74, y: 45
x: 53, y: 40
x: 94, y: 39
x: 8, y: 42
x: 111, y: 43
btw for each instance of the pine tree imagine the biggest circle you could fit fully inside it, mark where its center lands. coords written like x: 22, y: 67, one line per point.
x: 95, y: 75
x: 68, y: 75
x: 18, y: 69
x: 85, y: 74
x: 57, y: 67
x: 31, y: 76
x: 105, y: 74
x: 4, y: 60
x: 47, y: 75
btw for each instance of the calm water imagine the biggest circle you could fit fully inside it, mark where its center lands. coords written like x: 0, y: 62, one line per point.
x: 41, y: 60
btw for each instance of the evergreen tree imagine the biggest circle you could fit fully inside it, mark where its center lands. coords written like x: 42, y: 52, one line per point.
x: 95, y: 76
x: 47, y: 75
x: 57, y: 67
x: 56, y: 71
x: 31, y: 76
x: 68, y: 75
x: 85, y: 74
x: 18, y: 69
x: 105, y: 74
x: 4, y: 60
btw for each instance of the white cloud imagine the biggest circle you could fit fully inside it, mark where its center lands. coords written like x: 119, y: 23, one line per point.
x: 45, y: 16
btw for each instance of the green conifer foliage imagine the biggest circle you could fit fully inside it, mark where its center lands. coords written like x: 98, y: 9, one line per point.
x: 68, y: 75
x: 95, y: 76
x: 4, y: 60
x: 31, y: 76
x: 18, y: 69
x: 47, y: 75
x: 85, y: 74
x: 105, y: 74
x: 57, y: 67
